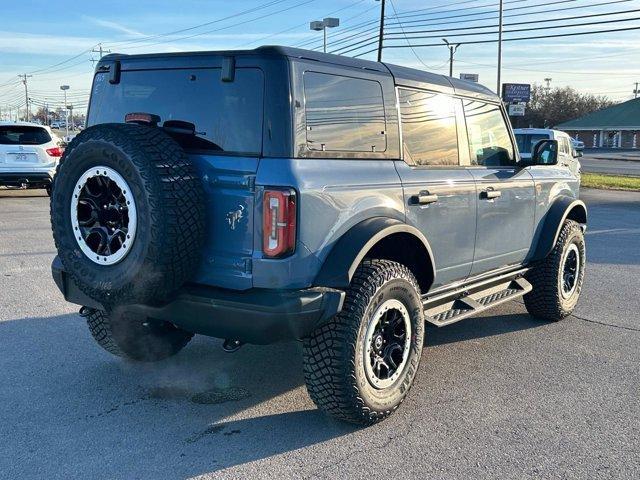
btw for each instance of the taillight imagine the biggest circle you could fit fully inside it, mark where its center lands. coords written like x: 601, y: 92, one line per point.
x: 55, y: 151
x: 278, y: 222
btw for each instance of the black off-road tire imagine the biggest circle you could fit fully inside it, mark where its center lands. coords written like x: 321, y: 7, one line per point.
x: 170, y: 211
x: 546, y: 300
x: 334, y: 357
x: 131, y: 337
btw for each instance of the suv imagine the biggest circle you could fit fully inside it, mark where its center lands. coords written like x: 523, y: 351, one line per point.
x: 279, y: 194
x: 29, y: 154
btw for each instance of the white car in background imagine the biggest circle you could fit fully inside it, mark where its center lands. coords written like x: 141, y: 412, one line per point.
x: 29, y: 154
x: 568, y: 155
x: 577, y: 144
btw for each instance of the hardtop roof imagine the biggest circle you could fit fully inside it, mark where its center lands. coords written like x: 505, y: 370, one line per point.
x: 402, y: 75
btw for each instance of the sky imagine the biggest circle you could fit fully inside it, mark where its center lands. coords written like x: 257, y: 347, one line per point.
x: 52, y: 41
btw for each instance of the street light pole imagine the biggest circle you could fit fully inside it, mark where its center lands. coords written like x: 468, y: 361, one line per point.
x: 453, y: 47
x: 64, y: 88
x: 500, y: 50
x: 318, y: 25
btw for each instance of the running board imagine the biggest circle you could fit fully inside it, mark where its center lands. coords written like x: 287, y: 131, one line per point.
x: 450, y: 308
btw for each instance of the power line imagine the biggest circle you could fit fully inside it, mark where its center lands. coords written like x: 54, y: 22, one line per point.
x: 531, y: 38
x: 305, y: 24
x: 299, y: 4
x: 194, y: 27
x: 546, y: 27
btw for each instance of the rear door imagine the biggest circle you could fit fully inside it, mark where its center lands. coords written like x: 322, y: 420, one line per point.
x: 228, y: 117
x: 504, y: 191
x: 439, y: 192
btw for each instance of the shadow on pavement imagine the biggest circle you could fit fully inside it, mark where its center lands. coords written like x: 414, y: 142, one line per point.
x: 479, y: 327
x: 196, y: 413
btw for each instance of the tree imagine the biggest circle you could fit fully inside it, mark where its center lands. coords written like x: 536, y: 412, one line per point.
x: 548, y: 108
x: 40, y: 116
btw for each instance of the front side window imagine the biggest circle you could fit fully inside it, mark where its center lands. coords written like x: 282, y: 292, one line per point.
x: 227, y: 115
x: 429, y: 131
x: 344, y: 114
x: 23, y: 135
x: 489, y: 140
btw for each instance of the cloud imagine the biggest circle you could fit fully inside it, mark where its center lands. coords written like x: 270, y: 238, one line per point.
x: 118, y: 27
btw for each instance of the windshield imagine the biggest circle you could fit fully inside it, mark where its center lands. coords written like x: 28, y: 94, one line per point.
x: 227, y: 115
x: 23, y: 135
x: 526, y: 141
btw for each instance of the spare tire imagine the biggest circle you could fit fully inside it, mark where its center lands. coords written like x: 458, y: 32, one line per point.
x: 127, y: 214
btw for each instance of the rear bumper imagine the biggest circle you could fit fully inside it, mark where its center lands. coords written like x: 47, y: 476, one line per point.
x: 30, y: 179
x: 258, y: 316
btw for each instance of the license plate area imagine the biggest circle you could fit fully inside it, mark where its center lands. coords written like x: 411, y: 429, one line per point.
x: 22, y: 157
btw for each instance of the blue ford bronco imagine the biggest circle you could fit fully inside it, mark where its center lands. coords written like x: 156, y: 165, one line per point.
x: 278, y: 194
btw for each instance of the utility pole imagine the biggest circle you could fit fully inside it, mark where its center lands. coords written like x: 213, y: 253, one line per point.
x: 548, y: 81
x: 100, y: 50
x: 498, y: 88
x: 24, y: 78
x: 64, y: 88
x: 381, y: 34
x: 636, y: 91
x: 453, y: 47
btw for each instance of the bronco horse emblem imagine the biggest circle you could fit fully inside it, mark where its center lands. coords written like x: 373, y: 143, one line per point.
x: 235, y: 216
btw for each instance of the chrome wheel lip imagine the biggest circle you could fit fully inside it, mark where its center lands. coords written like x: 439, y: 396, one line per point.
x: 372, y: 378
x: 114, y: 176
x: 569, y: 279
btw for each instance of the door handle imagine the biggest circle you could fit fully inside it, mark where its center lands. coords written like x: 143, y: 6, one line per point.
x: 424, y: 198
x: 491, y: 194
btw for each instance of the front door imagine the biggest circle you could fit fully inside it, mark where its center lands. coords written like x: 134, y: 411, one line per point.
x: 439, y: 193
x: 505, y: 192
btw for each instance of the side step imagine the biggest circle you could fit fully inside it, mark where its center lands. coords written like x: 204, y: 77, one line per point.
x: 449, y: 308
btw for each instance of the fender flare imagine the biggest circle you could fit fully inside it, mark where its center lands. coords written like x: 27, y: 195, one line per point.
x: 562, y: 208
x: 349, y: 251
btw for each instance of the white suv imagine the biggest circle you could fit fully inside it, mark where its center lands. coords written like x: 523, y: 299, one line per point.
x: 29, y: 154
x: 567, y: 153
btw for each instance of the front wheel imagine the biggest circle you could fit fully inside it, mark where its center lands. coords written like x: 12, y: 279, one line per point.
x: 360, y: 366
x: 557, y: 280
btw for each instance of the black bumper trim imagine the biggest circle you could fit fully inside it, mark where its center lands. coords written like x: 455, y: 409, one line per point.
x: 258, y: 316
x: 32, y: 179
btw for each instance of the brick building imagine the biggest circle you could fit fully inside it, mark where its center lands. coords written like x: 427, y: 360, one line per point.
x: 614, y: 127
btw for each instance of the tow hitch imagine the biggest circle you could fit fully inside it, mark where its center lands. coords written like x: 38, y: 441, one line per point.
x: 231, y: 346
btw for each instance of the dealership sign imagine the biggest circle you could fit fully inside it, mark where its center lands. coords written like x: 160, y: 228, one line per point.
x: 516, y: 92
x: 470, y: 77
x: 516, y: 110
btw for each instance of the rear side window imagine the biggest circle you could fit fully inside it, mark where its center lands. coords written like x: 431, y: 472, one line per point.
x: 227, y: 115
x: 23, y: 135
x: 344, y: 114
x: 489, y: 140
x: 429, y: 131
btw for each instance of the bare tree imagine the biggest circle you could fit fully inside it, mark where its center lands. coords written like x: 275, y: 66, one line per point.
x: 548, y: 108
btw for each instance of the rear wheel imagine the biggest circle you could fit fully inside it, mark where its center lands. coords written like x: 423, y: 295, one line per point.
x: 557, y: 280
x: 134, y: 337
x: 360, y: 366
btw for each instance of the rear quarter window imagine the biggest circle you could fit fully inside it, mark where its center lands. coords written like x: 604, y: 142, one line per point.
x: 23, y: 135
x: 344, y: 114
x: 228, y: 116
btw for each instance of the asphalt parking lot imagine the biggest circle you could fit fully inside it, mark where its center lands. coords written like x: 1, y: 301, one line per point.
x: 502, y: 396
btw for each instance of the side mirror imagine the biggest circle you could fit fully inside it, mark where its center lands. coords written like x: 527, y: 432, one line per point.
x: 545, y: 152
x: 579, y: 154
